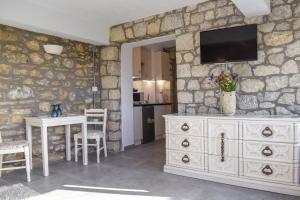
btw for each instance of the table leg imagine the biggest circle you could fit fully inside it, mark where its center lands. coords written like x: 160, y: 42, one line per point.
x: 84, y: 144
x: 45, y: 150
x: 68, y: 142
x: 29, y: 140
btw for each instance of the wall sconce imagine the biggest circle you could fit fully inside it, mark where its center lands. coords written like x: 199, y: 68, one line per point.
x: 53, y: 49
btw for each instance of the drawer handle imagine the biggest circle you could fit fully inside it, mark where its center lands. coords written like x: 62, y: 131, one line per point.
x: 185, y: 127
x: 185, y: 143
x: 222, y: 147
x: 267, y: 170
x: 185, y: 159
x: 267, y: 132
x: 267, y: 151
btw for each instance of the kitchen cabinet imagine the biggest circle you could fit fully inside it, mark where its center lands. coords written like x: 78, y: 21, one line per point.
x: 137, y: 62
x: 159, y: 123
x: 138, y: 124
x: 140, y: 113
x: 142, y: 68
x: 162, y: 66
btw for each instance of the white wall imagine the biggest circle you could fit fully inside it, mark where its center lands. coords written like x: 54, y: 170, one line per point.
x: 127, y: 86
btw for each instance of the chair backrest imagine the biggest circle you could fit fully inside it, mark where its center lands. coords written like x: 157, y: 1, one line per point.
x: 96, y: 117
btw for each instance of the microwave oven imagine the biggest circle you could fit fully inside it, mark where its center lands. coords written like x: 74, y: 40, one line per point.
x: 138, y: 96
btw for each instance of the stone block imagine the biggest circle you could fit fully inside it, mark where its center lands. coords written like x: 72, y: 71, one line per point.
x: 153, y: 27
x: 185, y: 97
x: 185, y: 42
x: 247, y: 102
x: 276, y: 82
x: 108, y: 82
x: 287, y: 98
x: 252, y: 85
x: 290, y: 67
x: 171, y: 22
x: 295, y: 81
x: 117, y: 34
x: 266, y: 70
x: 183, y: 71
x: 140, y: 29
x: 278, y: 38
x: 109, y: 53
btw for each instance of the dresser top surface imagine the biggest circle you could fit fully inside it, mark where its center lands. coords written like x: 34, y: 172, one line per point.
x: 237, y: 116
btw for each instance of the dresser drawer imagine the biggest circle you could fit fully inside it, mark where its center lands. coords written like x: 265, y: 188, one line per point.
x: 184, y: 126
x: 185, y: 159
x: 230, y: 165
x: 219, y: 146
x: 268, y: 131
x: 268, y: 151
x: 217, y: 127
x: 185, y: 143
x: 271, y: 171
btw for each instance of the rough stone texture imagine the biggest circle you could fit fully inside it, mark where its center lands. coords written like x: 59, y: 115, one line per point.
x: 252, y: 85
x: 32, y: 80
x: 263, y: 82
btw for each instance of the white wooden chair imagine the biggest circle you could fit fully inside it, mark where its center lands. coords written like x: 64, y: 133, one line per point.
x: 13, y: 147
x: 96, y: 119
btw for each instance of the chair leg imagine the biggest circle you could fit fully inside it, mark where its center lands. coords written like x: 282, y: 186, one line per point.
x: 27, y: 160
x: 76, y: 148
x: 1, y: 159
x: 98, y: 150
x: 104, y: 146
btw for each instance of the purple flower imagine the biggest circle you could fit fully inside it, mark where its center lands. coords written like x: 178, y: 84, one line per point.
x: 211, y: 77
x: 234, y: 75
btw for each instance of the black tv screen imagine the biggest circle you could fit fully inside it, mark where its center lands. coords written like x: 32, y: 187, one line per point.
x: 234, y: 44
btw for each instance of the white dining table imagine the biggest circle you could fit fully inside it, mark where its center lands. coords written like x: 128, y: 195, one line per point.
x: 44, y: 122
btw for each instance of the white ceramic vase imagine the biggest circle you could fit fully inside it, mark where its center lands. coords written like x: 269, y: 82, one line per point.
x: 228, y: 103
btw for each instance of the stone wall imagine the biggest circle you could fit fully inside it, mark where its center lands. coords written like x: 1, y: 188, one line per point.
x: 270, y: 85
x: 31, y: 80
x: 110, y: 71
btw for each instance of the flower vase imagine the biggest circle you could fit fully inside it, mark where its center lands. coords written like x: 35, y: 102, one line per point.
x: 59, y: 111
x: 54, y: 111
x: 228, y: 102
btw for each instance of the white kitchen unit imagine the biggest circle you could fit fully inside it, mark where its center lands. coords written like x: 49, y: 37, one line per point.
x: 138, y: 124
x: 260, y: 152
x: 159, y: 123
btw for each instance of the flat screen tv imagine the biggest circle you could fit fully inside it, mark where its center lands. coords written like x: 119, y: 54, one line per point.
x: 234, y: 44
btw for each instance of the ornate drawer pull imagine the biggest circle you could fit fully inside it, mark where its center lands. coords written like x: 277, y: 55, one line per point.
x: 185, y: 159
x: 185, y: 143
x: 267, y: 132
x: 267, y: 151
x: 267, y: 170
x: 185, y: 127
x: 222, y: 147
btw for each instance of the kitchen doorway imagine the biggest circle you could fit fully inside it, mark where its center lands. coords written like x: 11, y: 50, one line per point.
x: 129, y: 80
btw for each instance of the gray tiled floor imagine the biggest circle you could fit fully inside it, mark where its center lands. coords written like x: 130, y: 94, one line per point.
x: 138, y: 168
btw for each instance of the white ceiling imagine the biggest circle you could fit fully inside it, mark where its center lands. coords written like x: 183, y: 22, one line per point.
x: 89, y: 20
x: 83, y: 20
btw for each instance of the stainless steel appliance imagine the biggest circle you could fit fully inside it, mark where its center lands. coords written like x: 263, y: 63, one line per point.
x: 138, y: 97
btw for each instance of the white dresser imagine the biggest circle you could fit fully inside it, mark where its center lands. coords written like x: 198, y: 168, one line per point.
x: 260, y: 152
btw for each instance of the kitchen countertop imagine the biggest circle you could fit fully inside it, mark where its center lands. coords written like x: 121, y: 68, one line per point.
x: 151, y: 104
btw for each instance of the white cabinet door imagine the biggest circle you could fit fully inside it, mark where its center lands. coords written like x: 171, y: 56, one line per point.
x: 138, y: 124
x: 137, y: 62
x: 159, y: 111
